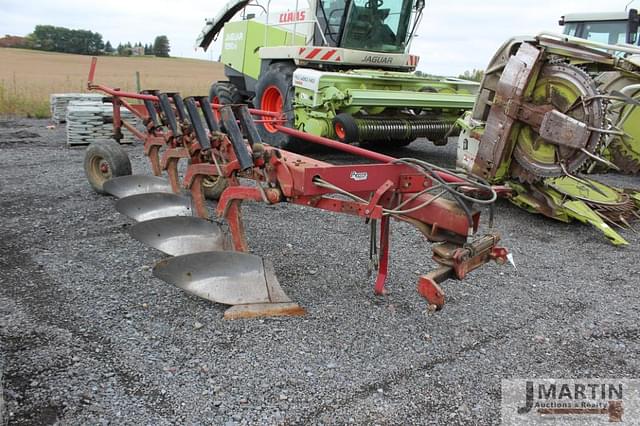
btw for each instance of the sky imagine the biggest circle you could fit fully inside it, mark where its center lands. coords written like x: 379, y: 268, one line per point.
x: 454, y: 36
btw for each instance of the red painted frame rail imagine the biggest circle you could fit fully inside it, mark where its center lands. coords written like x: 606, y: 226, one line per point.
x: 282, y: 176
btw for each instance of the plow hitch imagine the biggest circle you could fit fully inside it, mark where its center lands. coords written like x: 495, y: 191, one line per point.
x: 456, y: 262
x: 195, y: 217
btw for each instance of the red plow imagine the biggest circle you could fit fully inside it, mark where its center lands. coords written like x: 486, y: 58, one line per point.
x: 227, y: 161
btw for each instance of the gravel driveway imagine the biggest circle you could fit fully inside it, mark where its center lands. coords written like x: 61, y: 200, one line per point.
x: 88, y: 335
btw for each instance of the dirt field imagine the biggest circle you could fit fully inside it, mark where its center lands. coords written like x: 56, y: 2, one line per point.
x: 89, y: 336
x: 27, y: 77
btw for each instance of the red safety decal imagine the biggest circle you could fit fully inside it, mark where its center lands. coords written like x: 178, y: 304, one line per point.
x: 328, y: 55
x: 313, y: 53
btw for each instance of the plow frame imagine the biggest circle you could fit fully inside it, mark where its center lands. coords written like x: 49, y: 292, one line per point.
x: 372, y: 190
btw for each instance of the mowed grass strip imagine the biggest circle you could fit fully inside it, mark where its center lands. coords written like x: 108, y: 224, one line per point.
x: 28, y: 77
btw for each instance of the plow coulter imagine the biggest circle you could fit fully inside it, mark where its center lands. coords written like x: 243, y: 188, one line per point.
x: 227, y: 161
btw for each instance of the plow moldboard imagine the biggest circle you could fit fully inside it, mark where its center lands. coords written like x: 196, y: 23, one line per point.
x: 227, y: 277
x: 180, y: 235
x: 230, y: 278
x: 126, y: 186
x: 154, y: 205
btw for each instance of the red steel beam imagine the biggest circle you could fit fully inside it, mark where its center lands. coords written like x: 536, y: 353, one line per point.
x: 143, y: 97
x: 350, y: 149
x: 356, y: 150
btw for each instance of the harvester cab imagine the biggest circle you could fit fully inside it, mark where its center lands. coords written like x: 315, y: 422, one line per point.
x: 335, y: 68
x: 617, y: 34
x: 378, y: 26
x: 610, y: 28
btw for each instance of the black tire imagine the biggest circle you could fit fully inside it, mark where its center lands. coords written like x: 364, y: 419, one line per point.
x: 213, y: 187
x: 226, y: 93
x: 427, y: 89
x: 104, y: 160
x: 278, y: 76
x: 345, y: 128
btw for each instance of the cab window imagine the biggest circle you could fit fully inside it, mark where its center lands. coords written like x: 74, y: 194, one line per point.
x: 329, y: 16
x: 378, y: 25
x: 570, y: 29
x: 610, y: 32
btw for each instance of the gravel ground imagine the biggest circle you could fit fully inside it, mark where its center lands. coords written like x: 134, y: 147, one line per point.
x: 89, y: 336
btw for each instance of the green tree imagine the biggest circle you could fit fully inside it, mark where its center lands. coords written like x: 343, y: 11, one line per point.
x: 108, y: 48
x: 161, y: 46
x: 60, y: 39
x: 474, y: 75
x: 46, y: 37
x: 96, y: 43
x: 124, y: 49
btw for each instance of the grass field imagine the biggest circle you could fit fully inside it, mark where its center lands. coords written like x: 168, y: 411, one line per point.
x: 27, y: 77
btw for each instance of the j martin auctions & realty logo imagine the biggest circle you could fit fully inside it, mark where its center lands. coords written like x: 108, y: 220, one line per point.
x: 571, y: 401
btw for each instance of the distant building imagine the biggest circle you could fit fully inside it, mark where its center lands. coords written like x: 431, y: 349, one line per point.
x: 137, y: 51
x: 13, y: 41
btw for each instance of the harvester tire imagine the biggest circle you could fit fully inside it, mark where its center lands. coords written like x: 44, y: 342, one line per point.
x: 104, y: 160
x: 225, y: 93
x: 274, y: 92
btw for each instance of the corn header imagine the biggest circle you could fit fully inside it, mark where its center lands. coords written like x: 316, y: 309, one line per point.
x: 550, y: 109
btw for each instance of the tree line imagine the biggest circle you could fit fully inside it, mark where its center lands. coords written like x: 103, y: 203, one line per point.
x: 473, y: 75
x: 160, y: 47
x: 83, y: 42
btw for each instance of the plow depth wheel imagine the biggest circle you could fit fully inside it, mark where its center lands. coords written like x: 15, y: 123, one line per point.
x: 213, y: 187
x: 104, y: 160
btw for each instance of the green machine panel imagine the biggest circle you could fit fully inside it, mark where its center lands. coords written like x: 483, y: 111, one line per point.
x: 243, y: 39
